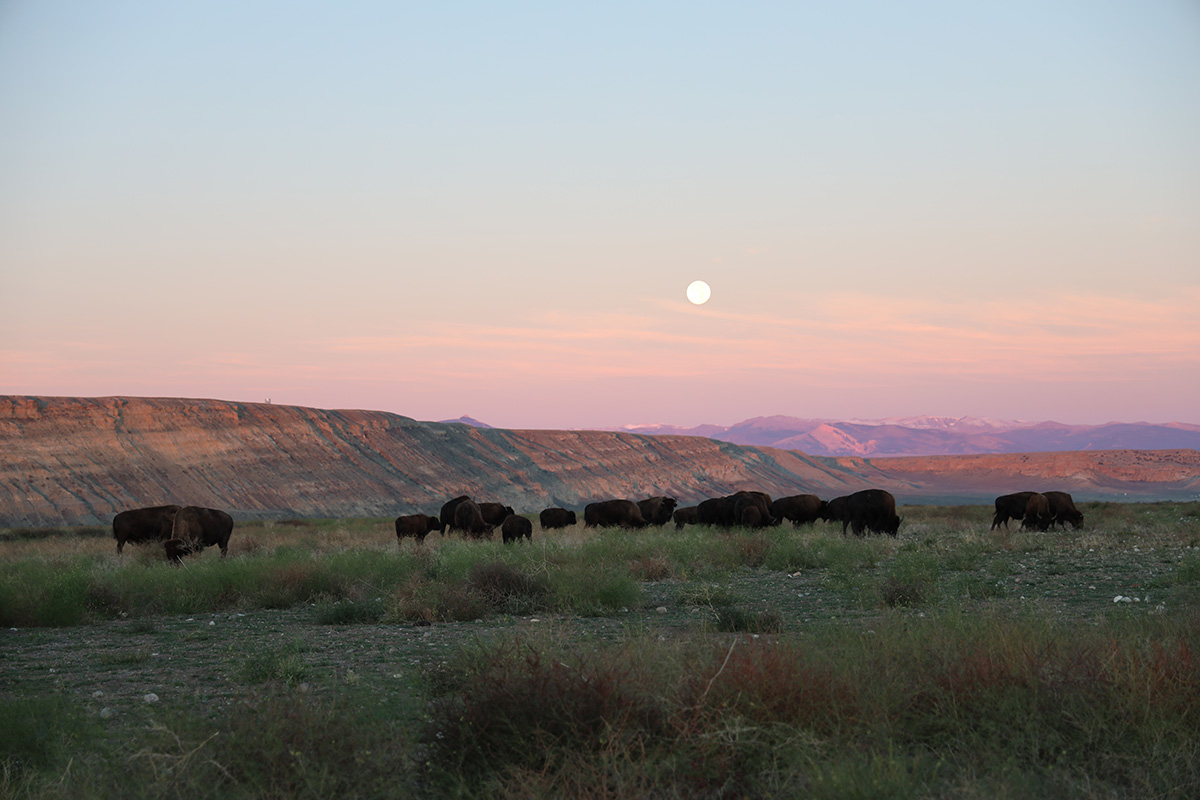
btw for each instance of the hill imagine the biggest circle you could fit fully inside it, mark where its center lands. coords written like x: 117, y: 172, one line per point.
x: 80, y: 460
x: 925, y: 436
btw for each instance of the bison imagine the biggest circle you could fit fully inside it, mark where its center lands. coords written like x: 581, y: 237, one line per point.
x: 835, y: 511
x: 1037, y: 513
x: 657, y: 510
x: 467, y: 518
x: 871, y: 511
x: 801, y: 509
x: 514, y: 527
x: 752, y: 509
x: 1010, y: 506
x: 417, y: 526
x: 447, y: 513
x: 1063, y: 510
x: 613, y: 514
x: 495, y: 513
x: 715, y: 511
x: 685, y: 516
x: 195, y: 528
x: 143, y: 524
x: 556, y: 518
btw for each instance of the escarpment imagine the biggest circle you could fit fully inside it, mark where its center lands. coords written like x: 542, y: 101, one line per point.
x: 81, y: 460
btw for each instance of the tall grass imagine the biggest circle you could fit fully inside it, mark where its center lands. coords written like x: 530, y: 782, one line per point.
x: 902, y: 713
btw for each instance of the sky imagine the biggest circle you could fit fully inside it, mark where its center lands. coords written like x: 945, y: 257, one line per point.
x: 494, y: 209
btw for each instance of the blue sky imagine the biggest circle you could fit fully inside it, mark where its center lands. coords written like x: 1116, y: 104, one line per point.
x: 437, y: 209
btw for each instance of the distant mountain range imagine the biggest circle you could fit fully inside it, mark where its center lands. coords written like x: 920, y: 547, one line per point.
x: 931, y: 436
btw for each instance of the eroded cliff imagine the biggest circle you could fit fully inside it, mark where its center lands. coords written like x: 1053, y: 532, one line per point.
x: 80, y: 460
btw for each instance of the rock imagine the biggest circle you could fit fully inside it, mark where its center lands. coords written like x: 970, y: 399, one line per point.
x: 72, y: 456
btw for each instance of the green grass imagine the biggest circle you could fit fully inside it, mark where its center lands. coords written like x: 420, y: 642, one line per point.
x: 950, y: 661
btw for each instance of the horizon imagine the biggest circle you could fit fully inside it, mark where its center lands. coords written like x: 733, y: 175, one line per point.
x: 933, y: 210
x: 629, y: 426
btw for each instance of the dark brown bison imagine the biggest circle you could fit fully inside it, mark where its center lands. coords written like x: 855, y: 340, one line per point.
x: 1063, y: 510
x: 715, y: 511
x: 1010, y: 506
x: 752, y: 509
x: 416, y: 526
x: 143, y: 524
x: 685, y: 516
x: 835, y: 511
x: 495, y: 513
x: 195, y: 528
x: 1037, y: 513
x: 469, y: 520
x: 447, y: 513
x: 514, y: 527
x: 870, y: 511
x: 556, y: 518
x: 801, y: 509
x: 613, y: 514
x: 657, y: 510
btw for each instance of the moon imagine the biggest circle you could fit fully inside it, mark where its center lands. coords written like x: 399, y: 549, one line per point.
x: 698, y: 292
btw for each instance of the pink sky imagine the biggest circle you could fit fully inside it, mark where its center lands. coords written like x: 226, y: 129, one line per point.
x: 942, y: 210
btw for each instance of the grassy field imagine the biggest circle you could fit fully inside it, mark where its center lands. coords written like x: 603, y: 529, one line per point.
x: 323, y: 658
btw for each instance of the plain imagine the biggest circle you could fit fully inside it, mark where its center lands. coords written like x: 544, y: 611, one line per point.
x: 325, y: 657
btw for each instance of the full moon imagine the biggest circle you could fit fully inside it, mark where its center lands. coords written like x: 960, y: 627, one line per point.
x: 698, y: 292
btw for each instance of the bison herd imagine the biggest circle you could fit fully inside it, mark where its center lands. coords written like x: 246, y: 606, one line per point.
x: 189, y: 529
x: 868, y: 511
x: 1037, y: 510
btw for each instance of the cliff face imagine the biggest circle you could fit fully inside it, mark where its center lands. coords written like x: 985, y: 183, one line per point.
x: 80, y: 461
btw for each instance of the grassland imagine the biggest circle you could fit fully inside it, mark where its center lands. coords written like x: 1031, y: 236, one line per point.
x: 323, y: 658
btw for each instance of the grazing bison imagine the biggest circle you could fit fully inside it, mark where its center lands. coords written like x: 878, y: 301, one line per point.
x: 447, y: 514
x: 495, y: 513
x: 556, y: 518
x: 657, y: 510
x: 1063, y: 510
x: 835, y: 511
x: 1037, y: 513
x: 143, y: 524
x: 801, y: 509
x: 468, y: 519
x: 752, y: 509
x: 871, y: 511
x: 514, y: 527
x: 685, y: 516
x: 1010, y: 506
x: 613, y: 514
x: 715, y: 511
x: 196, y: 528
x: 416, y: 526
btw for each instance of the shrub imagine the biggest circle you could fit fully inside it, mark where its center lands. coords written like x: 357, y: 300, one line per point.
x: 349, y: 612
x: 736, y: 620
x: 651, y: 568
x: 422, y: 600
x: 505, y: 588
x: 282, y: 664
x: 36, y: 733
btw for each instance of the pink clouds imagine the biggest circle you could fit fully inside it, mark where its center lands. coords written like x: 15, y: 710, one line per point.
x: 919, y: 351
